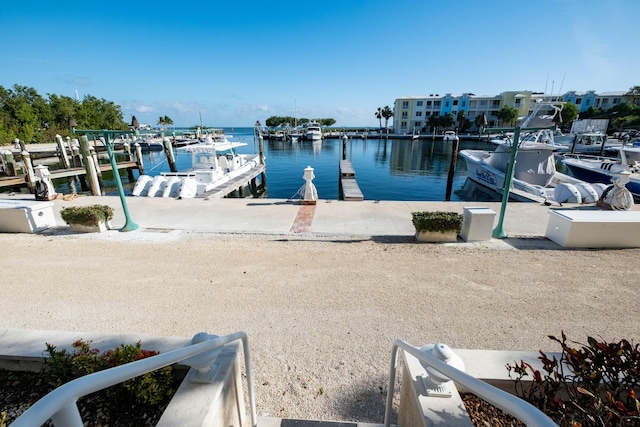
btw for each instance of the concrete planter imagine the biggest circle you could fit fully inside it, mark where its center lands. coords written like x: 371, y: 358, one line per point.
x: 436, y: 236
x: 100, y: 227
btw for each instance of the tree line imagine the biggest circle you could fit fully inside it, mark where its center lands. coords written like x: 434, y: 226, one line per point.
x: 32, y: 118
x: 276, y: 121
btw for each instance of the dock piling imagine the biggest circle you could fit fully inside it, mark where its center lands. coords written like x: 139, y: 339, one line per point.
x: 168, y: 151
x: 89, y: 166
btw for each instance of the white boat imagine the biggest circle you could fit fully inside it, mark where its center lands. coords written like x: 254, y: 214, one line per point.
x: 314, y: 131
x: 587, y: 136
x: 535, y: 178
x: 213, y: 165
x: 450, y: 136
x: 604, y: 170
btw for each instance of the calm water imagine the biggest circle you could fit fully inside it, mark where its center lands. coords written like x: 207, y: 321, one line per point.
x: 393, y: 169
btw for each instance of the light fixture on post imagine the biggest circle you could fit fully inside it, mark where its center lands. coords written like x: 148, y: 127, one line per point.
x: 72, y: 123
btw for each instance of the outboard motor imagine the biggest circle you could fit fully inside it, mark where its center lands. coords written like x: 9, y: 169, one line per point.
x: 566, y: 193
x: 142, y: 186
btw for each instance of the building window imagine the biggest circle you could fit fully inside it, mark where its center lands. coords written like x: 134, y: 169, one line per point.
x: 616, y: 101
x: 455, y: 102
x: 463, y: 103
x: 446, y: 103
x: 436, y: 103
x: 405, y: 105
x: 419, y: 103
x: 404, y: 114
x: 418, y: 113
x: 578, y: 101
x: 494, y: 103
x: 428, y: 103
x: 403, y: 125
x: 418, y: 124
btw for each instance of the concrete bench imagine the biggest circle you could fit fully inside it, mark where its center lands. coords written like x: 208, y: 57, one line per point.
x: 25, y: 216
x: 573, y: 228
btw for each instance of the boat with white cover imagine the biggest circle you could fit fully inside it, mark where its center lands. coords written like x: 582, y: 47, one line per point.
x: 213, y: 165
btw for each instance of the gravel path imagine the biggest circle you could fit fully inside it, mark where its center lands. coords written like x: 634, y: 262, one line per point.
x: 321, y: 313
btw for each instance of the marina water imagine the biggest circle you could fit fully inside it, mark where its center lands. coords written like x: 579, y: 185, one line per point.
x: 386, y: 169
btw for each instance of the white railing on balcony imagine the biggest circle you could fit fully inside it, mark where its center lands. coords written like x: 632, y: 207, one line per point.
x: 60, y: 405
x: 515, y: 406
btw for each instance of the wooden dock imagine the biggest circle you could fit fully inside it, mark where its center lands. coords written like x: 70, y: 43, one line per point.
x: 21, y: 180
x: 236, y: 183
x: 348, y: 185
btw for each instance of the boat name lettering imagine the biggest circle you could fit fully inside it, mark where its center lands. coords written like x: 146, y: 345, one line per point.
x: 486, y: 177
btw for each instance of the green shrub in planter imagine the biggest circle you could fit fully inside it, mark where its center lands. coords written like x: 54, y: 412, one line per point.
x: 438, y: 221
x: 87, y: 215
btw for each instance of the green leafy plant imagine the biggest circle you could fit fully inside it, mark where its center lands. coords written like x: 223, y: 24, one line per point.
x: 151, y: 388
x: 437, y: 221
x: 593, y: 385
x: 87, y: 215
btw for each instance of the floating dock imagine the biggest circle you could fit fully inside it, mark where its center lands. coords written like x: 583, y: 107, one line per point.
x: 348, y: 185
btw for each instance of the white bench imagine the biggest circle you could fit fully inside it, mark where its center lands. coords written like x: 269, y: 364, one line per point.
x: 25, y: 216
x: 573, y: 228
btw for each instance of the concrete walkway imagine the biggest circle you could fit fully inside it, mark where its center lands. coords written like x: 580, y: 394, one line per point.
x: 278, y: 216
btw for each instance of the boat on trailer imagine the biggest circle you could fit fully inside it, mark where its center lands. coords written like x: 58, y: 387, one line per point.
x: 214, y: 164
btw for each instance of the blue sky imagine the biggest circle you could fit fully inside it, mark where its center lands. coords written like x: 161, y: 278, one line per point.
x: 235, y: 62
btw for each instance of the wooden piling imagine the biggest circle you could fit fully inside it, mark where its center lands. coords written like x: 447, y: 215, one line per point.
x: 452, y: 168
x: 139, y: 158
x: 90, y: 166
x: 30, y: 177
x: 62, y: 152
x: 168, y: 151
x: 10, y: 162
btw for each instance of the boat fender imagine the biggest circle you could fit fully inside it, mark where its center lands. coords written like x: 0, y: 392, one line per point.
x: 566, y: 193
x: 142, y: 186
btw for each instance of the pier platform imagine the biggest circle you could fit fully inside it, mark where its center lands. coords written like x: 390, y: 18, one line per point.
x: 349, y: 188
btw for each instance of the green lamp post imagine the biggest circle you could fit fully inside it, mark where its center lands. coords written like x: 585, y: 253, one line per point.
x: 129, y: 224
x: 499, y: 232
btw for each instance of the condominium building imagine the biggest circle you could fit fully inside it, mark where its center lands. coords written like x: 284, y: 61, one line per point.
x: 411, y: 114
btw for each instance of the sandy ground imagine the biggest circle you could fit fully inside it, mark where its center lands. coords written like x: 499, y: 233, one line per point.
x: 321, y: 313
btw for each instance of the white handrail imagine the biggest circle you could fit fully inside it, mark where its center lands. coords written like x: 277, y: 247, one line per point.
x: 60, y: 404
x: 517, y: 407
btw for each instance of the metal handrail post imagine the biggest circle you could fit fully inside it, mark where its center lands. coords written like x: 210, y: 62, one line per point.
x: 517, y: 407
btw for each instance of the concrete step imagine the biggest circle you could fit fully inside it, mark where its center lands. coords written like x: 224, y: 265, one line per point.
x: 280, y: 422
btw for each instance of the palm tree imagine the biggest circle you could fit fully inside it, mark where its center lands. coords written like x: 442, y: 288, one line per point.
x: 387, y: 113
x: 460, y: 119
x: 379, y: 116
x: 164, y: 121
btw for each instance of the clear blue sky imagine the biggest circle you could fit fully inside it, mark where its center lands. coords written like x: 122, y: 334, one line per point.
x: 235, y: 62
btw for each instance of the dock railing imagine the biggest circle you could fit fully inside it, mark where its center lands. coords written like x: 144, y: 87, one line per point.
x: 515, y: 406
x: 60, y: 405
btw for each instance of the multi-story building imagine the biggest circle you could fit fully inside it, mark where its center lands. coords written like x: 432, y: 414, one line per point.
x: 411, y: 114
